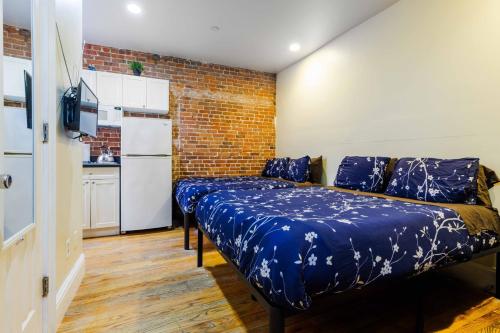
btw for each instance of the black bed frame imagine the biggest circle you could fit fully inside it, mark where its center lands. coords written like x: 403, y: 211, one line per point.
x: 277, y: 314
x: 188, y: 217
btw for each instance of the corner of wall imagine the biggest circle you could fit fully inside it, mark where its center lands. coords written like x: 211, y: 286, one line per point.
x: 69, y: 208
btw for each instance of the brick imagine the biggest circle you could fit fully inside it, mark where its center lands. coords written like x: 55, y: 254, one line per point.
x: 16, y: 42
x: 223, y: 117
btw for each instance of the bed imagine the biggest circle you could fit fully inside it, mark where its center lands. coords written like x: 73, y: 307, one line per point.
x: 292, y: 245
x: 189, y: 191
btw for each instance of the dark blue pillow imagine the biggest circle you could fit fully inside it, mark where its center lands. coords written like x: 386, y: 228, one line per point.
x: 362, y: 173
x: 435, y: 180
x: 298, y: 169
x: 267, y: 168
x: 277, y: 167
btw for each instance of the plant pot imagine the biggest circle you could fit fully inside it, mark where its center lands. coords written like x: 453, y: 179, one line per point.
x: 137, y: 72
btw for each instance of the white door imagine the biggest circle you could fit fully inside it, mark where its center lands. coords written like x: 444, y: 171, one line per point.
x: 86, y: 204
x: 146, y: 189
x: 134, y: 92
x: 146, y: 136
x: 109, y: 88
x: 105, y: 210
x: 157, y: 95
x: 20, y: 234
x: 19, y: 214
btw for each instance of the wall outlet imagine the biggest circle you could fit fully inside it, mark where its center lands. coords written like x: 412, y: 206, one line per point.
x: 68, y: 247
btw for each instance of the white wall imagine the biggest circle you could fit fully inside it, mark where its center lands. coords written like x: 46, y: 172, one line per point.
x: 422, y: 78
x: 69, y: 208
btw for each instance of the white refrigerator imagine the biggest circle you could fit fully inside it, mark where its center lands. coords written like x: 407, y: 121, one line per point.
x: 146, y: 173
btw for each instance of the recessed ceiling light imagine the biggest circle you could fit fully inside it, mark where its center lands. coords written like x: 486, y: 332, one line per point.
x: 294, y: 47
x: 215, y: 28
x: 133, y: 8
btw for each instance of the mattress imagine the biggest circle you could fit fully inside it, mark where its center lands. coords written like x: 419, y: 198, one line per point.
x: 294, y: 244
x: 188, y: 191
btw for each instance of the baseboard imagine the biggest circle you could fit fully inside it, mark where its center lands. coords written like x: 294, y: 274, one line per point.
x: 69, y: 287
x: 91, y: 233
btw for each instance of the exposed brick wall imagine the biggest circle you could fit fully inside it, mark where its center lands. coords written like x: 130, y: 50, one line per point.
x: 106, y: 136
x: 223, y: 117
x: 16, y: 42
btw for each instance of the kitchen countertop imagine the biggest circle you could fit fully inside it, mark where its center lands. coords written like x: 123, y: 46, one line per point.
x: 93, y: 163
x: 101, y: 165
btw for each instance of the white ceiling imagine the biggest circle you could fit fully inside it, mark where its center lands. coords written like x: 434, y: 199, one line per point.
x: 17, y: 13
x: 254, y: 34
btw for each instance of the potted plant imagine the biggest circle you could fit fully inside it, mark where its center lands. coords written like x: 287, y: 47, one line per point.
x: 136, y: 67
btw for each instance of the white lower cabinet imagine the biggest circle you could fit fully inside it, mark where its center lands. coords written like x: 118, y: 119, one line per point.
x: 86, y: 204
x: 101, y: 202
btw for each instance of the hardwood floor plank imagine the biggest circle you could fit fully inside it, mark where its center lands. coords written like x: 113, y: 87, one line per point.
x: 147, y: 282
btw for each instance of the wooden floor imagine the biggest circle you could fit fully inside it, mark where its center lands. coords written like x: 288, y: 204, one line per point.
x: 148, y: 283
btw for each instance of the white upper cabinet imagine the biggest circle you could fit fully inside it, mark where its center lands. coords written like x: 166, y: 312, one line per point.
x: 90, y: 78
x: 145, y: 94
x: 131, y: 93
x: 134, y: 92
x: 13, y: 77
x: 157, y: 95
x: 109, y: 89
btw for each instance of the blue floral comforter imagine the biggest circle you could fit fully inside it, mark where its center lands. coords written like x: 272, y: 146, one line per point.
x: 188, y: 191
x: 293, y: 244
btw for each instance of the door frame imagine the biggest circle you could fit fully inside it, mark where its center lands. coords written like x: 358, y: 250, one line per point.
x: 44, y: 104
x: 43, y: 41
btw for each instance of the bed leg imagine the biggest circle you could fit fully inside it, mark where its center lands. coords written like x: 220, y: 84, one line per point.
x: 200, y: 247
x: 497, y: 274
x: 419, y: 300
x: 276, y: 320
x: 186, y: 230
x: 419, y: 324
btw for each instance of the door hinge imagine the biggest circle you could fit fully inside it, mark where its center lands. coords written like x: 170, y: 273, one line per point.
x: 45, y: 133
x: 45, y: 286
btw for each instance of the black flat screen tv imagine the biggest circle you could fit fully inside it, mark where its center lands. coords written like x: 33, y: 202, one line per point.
x: 80, y: 108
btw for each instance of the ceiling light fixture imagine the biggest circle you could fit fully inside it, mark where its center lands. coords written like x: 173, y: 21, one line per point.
x: 294, y: 47
x: 133, y: 8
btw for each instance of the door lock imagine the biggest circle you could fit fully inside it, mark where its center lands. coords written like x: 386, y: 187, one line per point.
x: 5, y: 181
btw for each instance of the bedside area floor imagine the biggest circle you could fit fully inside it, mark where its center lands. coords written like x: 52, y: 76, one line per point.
x: 147, y: 282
